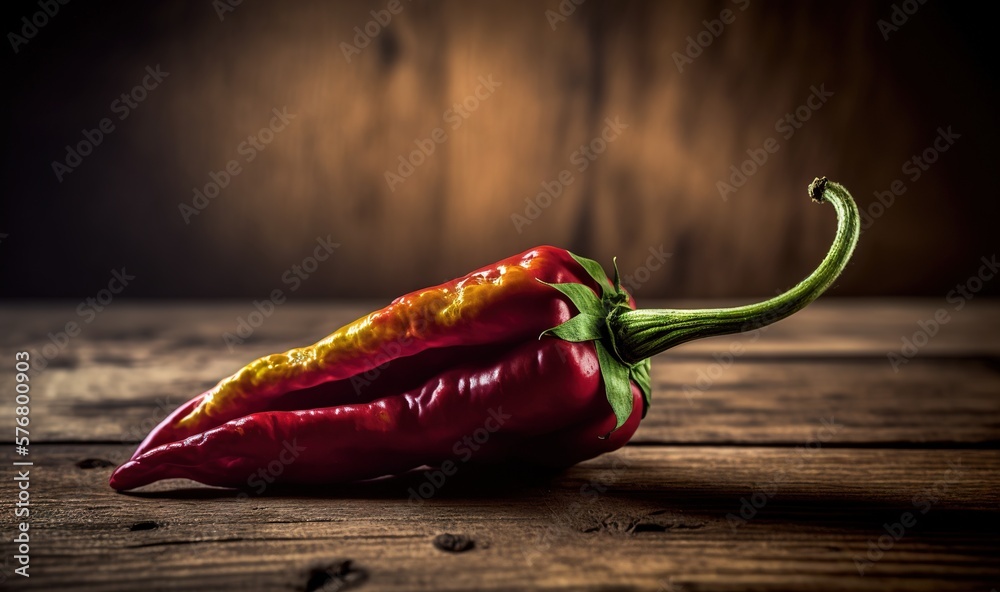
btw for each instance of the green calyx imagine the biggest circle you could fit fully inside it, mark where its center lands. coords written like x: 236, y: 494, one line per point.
x: 594, y: 324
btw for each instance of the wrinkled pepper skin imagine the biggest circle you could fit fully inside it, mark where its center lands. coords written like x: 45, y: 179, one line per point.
x: 241, y: 423
x: 537, y: 397
x: 540, y: 357
x: 497, y: 304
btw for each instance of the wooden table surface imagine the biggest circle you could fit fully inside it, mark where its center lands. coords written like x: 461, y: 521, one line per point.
x: 804, y: 463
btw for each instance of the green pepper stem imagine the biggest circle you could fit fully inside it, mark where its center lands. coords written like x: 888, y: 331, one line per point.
x: 640, y: 334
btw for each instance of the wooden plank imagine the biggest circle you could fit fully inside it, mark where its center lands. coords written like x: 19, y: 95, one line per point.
x: 135, y: 363
x: 753, y: 401
x: 830, y: 326
x: 654, y: 185
x: 781, y: 400
x: 638, y: 519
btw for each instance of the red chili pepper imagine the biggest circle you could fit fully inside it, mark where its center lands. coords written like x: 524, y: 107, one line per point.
x: 541, y: 352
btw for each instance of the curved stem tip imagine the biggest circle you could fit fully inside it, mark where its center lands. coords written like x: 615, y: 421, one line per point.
x: 640, y: 334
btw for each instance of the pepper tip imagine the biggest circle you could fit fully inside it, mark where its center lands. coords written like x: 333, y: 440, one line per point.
x: 119, y: 478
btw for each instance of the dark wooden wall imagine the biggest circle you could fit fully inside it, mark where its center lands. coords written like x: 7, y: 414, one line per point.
x: 654, y: 187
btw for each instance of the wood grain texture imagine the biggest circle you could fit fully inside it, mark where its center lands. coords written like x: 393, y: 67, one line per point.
x: 355, y: 116
x: 135, y: 363
x: 637, y: 519
x: 778, y: 475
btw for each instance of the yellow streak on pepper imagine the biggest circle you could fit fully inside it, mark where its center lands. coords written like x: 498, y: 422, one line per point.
x: 415, y: 316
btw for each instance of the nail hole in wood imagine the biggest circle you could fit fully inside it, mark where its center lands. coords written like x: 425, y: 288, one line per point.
x: 339, y: 575
x: 94, y: 463
x: 453, y: 543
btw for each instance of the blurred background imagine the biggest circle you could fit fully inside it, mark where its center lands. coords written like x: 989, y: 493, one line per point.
x: 207, y: 146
